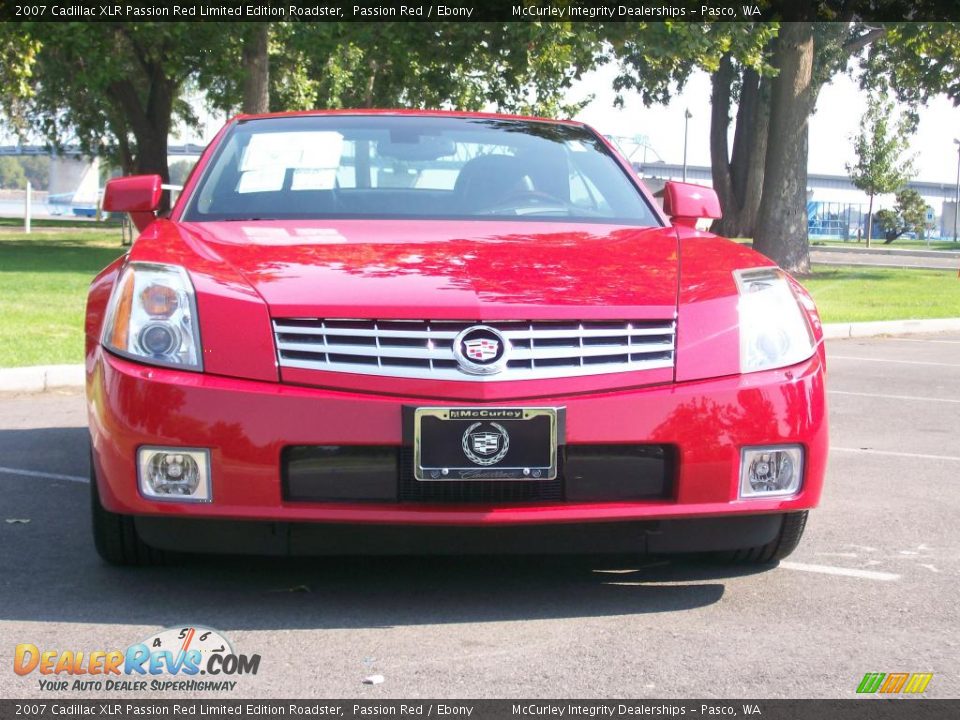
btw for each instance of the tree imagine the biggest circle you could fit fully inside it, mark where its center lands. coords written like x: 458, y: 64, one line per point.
x: 37, y: 170
x: 774, y: 71
x: 806, y: 54
x: 523, y: 67
x: 116, y: 88
x: 916, y: 61
x: 12, y: 176
x: 909, y: 215
x: 256, y: 69
x: 112, y: 88
x: 881, y: 143
x: 655, y: 58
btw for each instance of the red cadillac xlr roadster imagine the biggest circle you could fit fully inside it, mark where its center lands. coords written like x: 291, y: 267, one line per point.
x: 405, y: 332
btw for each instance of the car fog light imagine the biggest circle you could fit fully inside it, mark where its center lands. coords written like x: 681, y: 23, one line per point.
x: 177, y: 474
x: 770, y: 471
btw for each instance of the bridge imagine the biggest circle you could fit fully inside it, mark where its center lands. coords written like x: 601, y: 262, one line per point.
x: 75, y: 151
x: 830, y: 184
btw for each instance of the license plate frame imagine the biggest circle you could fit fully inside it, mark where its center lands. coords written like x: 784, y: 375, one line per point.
x: 474, y: 439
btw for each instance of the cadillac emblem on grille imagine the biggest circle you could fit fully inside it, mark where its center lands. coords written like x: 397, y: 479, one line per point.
x: 486, y: 445
x: 481, y: 350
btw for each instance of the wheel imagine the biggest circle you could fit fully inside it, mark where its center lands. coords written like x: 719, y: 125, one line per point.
x: 777, y: 549
x: 115, y: 536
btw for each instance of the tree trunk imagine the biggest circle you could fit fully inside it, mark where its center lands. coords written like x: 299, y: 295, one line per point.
x: 738, y: 176
x: 720, y: 83
x: 256, y: 67
x: 749, y: 155
x: 149, y: 123
x: 371, y: 82
x: 781, y: 232
x: 870, y: 220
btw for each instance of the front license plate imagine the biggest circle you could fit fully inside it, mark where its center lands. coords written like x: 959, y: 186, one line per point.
x: 485, y: 444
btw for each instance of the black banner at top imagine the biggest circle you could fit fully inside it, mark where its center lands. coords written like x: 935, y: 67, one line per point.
x: 477, y: 10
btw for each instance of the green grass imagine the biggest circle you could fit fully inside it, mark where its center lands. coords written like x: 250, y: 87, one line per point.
x: 44, y: 278
x: 861, y: 294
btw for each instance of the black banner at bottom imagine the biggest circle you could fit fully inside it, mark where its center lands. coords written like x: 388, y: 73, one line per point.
x: 854, y: 709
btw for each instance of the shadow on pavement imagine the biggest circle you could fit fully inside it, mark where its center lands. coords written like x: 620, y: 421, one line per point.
x: 50, y: 572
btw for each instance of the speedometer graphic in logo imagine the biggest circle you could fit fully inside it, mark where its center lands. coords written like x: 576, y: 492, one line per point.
x: 176, y: 640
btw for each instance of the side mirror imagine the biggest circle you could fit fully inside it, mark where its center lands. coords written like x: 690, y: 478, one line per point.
x: 686, y: 203
x: 138, y: 195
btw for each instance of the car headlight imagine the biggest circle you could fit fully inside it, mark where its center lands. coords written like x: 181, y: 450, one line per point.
x: 152, y: 317
x: 774, y: 331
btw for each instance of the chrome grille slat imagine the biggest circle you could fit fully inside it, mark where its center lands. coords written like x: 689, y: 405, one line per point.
x: 424, y: 348
x: 534, y: 334
x: 367, y: 350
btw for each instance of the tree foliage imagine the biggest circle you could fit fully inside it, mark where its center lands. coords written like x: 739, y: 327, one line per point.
x: 917, y: 61
x: 17, y: 170
x: 12, y: 176
x: 772, y: 73
x: 516, y: 67
x: 117, y: 89
x: 908, y: 215
x: 112, y: 88
x: 656, y: 59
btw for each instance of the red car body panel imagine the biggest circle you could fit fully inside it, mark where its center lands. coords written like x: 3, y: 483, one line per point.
x: 246, y: 409
x: 247, y: 424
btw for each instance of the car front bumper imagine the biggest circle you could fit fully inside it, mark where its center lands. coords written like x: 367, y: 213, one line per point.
x: 247, y: 424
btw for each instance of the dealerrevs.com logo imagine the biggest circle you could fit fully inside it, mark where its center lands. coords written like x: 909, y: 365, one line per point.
x: 185, y: 659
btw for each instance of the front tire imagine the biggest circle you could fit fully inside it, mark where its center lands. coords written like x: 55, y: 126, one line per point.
x: 115, y: 536
x: 791, y: 530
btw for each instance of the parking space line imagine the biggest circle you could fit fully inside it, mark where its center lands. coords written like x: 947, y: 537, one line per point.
x: 919, y: 340
x: 885, y: 360
x: 847, y: 572
x: 894, y: 397
x: 870, y: 451
x: 48, y: 476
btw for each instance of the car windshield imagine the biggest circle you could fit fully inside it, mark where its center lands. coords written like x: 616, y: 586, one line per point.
x: 380, y: 166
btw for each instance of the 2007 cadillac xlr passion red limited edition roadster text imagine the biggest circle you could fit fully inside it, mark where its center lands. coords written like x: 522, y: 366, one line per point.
x: 398, y: 332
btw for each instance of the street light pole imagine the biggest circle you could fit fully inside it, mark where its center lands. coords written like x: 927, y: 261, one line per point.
x: 956, y: 197
x: 686, y: 123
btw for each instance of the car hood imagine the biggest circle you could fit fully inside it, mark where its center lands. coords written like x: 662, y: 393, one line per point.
x: 483, y: 270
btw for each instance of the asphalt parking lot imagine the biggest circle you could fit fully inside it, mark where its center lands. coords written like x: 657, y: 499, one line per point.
x: 872, y: 588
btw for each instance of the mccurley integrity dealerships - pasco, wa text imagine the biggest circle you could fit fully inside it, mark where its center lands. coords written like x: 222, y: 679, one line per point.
x: 620, y: 12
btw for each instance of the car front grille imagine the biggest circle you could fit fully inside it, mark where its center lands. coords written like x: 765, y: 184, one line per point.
x: 424, y: 348
x: 384, y: 474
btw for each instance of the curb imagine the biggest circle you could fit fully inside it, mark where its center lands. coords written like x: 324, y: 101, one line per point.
x: 40, y: 378
x: 906, y: 252
x: 833, y: 331
x: 46, y: 377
